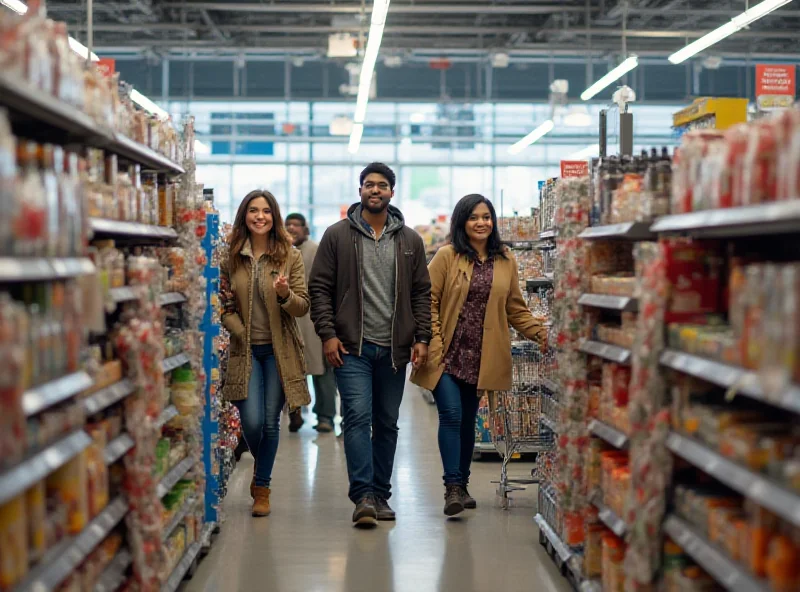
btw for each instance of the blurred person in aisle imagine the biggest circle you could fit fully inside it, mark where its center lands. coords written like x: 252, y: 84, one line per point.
x: 370, y: 296
x: 321, y: 373
x: 262, y: 293
x: 475, y: 295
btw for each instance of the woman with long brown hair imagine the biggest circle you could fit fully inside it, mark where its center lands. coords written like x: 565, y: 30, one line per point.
x: 262, y: 292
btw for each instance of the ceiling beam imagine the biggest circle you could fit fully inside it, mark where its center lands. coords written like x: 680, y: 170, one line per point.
x: 299, y: 9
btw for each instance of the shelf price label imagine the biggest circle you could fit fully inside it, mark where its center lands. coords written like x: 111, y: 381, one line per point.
x: 574, y: 168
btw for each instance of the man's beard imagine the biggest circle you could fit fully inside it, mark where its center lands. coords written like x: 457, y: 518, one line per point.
x: 379, y: 209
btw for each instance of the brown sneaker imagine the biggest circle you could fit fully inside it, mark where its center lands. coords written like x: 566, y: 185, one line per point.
x: 296, y: 421
x: 469, y: 501
x: 261, y: 503
x: 365, y: 514
x: 324, y: 426
x: 453, y: 504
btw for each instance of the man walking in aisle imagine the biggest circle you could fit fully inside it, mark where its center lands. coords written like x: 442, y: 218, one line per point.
x: 321, y: 372
x: 371, y: 306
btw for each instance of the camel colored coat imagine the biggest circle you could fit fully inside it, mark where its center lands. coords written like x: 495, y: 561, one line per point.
x: 237, y: 291
x: 451, y: 275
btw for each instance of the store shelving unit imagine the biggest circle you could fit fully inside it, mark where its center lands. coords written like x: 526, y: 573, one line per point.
x: 38, y: 465
x: 115, y: 449
x: 130, y: 230
x: 758, y: 487
x: 608, y: 517
x: 115, y: 574
x: 607, y: 351
x: 630, y: 231
x: 608, y: 302
x: 744, y: 381
x: 166, y: 416
x: 26, y: 102
x: 37, y: 269
x: 176, y: 361
x: 56, y: 391
x: 180, y: 515
x: 174, y: 475
x: 184, y: 567
x: 610, y: 434
x: 170, y: 298
x: 728, y: 573
x: 108, y: 396
x: 759, y: 220
x: 62, y: 560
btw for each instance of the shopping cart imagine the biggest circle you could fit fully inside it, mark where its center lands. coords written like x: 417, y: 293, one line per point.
x: 515, y: 417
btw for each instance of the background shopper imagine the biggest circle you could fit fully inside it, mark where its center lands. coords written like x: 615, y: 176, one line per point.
x: 262, y: 291
x: 321, y: 372
x: 475, y: 295
x: 370, y: 295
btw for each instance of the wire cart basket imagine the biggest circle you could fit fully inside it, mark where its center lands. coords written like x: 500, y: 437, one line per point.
x: 515, y: 416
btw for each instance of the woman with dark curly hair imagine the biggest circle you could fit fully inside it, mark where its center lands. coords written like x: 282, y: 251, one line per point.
x: 475, y: 295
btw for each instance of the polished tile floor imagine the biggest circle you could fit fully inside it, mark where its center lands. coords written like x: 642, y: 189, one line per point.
x: 309, y: 544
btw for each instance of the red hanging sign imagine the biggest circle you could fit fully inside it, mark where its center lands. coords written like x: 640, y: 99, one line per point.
x: 775, y: 86
x: 107, y: 66
x: 574, y: 168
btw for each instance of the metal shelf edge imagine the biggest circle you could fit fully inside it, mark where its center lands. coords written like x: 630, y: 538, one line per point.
x: 627, y: 230
x: 176, y: 577
x: 607, y: 351
x: 166, y: 415
x: 32, y: 269
x: 173, y: 476
x: 609, y: 517
x: 36, y: 467
x: 755, y: 220
x: 176, y: 361
x: 759, y: 488
x: 610, y: 434
x: 178, y: 518
x: 56, y: 391
x: 114, y: 574
x: 726, y: 571
x: 106, y: 397
x: 610, y: 302
x: 744, y: 381
x: 117, y: 448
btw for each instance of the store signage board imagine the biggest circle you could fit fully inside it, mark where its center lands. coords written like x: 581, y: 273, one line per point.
x: 107, y: 66
x: 571, y: 169
x: 775, y: 86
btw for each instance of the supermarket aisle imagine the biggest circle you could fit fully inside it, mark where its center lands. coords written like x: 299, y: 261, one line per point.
x: 309, y: 544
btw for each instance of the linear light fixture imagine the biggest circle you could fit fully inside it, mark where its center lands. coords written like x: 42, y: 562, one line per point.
x: 380, y: 9
x: 615, y: 74
x: 75, y: 45
x: 732, y: 26
x: 585, y: 153
x: 147, y: 104
x: 355, y: 137
x: 532, y: 137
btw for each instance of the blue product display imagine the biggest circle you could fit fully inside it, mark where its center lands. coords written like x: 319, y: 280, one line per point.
x: 210, y: 328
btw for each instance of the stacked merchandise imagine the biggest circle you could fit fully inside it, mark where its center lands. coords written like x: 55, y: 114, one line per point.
x: 88, y: 479
x: 519, y: 229
x: 434, y: 235
x: 693, y: 372
x: 547, y: 207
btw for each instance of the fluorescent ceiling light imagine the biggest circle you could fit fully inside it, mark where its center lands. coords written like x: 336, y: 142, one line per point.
x: 735, y: 24
x: 586, y: 153
x: 75, y: 45
x: 147, y: 104
x: 417, y: 117
x: 380, y: 9
x: 81, y: 49
x: 532, y: 137
x: 15, y: 5
x: 355, y: 137
x: 615, y: 74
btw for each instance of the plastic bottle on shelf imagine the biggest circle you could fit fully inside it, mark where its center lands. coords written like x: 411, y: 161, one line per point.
x: 29, y: 209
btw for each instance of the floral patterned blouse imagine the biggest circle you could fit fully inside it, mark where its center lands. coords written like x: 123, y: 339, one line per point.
x: 463, y: 359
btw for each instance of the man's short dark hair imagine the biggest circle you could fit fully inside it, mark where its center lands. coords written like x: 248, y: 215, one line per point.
x: 381, y: 169
x: 295, y: 216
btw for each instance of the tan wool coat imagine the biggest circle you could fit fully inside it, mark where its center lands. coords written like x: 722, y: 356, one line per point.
x: 451, y: 275
x: 237, y: 292
x: 315, y: 361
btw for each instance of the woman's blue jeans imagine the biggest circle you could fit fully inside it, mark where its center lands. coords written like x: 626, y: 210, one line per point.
x: 261, y: 412
x: 457, y: 403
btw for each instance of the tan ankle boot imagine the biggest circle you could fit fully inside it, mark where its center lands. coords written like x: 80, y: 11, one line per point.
x: 261, y: 501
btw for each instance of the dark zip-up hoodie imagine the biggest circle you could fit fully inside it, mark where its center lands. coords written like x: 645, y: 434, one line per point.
x: 339, y: 281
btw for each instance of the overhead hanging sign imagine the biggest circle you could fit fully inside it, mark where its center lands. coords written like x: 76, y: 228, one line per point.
x: 574, y: 168
x: 107, y: 66
x: 775, y: 86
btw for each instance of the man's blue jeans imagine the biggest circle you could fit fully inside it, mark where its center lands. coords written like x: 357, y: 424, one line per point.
x: 371, y: 392
x: 261, y: 412
x: 457, y: 403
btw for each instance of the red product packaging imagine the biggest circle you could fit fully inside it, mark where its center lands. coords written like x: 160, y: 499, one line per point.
x: 693, y: 274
